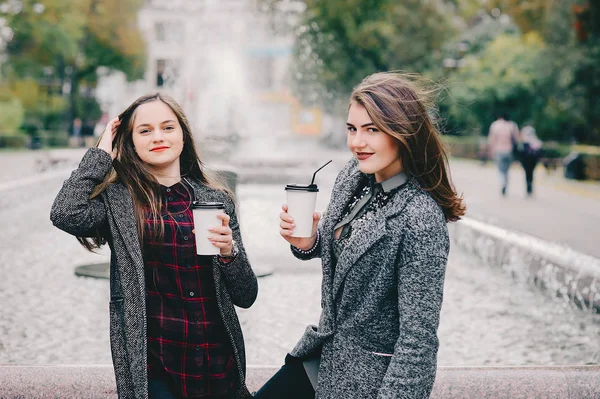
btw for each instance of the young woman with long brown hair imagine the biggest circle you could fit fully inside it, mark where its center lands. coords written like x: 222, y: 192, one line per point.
x: 384, y: 247
x: 174, y: 331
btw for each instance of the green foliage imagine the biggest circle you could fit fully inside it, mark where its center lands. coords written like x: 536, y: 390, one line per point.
x: 88, y: 109
x: 342, y: 41
x: 11, y: 115
x: 57, y: 44
x: 502, y: 78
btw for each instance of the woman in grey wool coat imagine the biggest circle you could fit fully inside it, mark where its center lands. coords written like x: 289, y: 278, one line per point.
x: 384, y: 245
x: 174, y: 331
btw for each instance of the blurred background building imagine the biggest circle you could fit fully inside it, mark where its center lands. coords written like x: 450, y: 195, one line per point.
x: 222, y: 62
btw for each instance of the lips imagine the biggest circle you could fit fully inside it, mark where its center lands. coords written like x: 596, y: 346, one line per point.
x: 361, y: 156
x: 159, y: 149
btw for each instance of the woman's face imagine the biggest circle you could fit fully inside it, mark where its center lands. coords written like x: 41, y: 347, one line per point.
x: 377, y: 152
x: 157, y: 135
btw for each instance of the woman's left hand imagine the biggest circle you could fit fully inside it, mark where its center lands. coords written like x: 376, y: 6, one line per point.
x: 223, y: 238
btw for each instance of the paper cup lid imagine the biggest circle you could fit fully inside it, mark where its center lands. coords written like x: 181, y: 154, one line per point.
x: 313, y: 188
x: 207, y: 205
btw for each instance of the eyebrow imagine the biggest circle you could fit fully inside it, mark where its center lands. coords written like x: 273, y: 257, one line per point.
x: 365, y: 125
x: 147, y: 124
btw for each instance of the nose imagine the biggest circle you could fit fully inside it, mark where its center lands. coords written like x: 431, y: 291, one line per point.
x: 357, y: 140
x: 157, y: 135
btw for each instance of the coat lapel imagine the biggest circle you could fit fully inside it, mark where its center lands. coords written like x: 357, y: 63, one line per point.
x: 368, y: 232
x: 340, y: 197
x: 121, y: 207
x: 200, y: 192
x: 363, y: 237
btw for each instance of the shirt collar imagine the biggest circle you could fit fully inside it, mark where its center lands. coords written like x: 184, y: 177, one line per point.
x: 178, y: 188
x: 390, y: 184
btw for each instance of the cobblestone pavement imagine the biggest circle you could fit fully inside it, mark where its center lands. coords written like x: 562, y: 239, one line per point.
x: 49, y: 315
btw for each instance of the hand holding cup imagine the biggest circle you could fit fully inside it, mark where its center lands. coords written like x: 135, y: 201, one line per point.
x: 287, y: 230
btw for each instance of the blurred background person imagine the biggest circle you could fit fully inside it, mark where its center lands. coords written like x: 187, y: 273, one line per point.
x: 87, y: 133
x: 502, y: 137
x: 531, y: 151
x: 75, y: 139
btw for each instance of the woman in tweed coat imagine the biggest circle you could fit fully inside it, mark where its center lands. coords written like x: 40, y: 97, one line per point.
x: 171, y: 312
x: 384, y: 245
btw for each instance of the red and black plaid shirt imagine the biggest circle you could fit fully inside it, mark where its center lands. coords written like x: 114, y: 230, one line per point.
x: 188, y: 345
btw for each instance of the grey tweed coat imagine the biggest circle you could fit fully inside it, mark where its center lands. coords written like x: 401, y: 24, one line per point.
x: 381, y: 307
x: 112, y: 212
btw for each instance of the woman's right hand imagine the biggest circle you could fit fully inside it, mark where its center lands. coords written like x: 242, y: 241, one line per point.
x: 106, y: 141
x: 287, y: 227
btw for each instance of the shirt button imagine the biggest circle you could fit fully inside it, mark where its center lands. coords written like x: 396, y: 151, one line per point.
x: 185, y: 238
x: 197, y: 348
x: 189, y: 266
x: 192, y: 293
x: 170, y: 198
x: 180, y: 215
x: 168, y: 190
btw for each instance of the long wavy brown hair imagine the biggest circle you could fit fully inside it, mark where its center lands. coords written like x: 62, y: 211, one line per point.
x: 400, y: 106
x: 130, y: 170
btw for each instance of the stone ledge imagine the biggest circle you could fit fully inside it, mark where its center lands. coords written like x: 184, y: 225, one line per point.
x: 85, y: 381
x: 552, y: 268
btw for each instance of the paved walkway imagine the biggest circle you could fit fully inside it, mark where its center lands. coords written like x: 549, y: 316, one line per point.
x: 560, y: 211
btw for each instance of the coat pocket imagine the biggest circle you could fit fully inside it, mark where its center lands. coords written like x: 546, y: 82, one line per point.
x: 358, y: 373
x: 383, y: 354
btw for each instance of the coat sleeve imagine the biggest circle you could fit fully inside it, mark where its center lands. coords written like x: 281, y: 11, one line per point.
x: 315, y: 251
x: 73, y: 211
x: 420, y: 268
x: 240, y: 280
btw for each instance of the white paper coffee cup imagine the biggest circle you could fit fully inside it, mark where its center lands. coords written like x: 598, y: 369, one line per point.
x: 205, y: 217
x: 301, y: 201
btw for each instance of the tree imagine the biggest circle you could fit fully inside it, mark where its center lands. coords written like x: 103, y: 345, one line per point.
x: 60, y: 44
x: 502, y: 78
x: 339, y: 42
x: 529, y: 15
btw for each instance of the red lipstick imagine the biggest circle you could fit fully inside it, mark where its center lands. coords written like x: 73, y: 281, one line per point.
x: 361, y: 156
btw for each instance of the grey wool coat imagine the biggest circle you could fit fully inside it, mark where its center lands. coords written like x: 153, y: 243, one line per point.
x: 112, y: 212
x: 381, y: 307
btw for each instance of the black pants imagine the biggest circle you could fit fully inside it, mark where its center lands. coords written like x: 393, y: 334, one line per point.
x: 290, y: 382
x: 159, y: 389
x: 529, y: 164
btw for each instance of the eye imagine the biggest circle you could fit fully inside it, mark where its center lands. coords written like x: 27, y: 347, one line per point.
x: 144, y: 131
x: 351, y: 129
x: 373, y: 130
x: 169, y: 127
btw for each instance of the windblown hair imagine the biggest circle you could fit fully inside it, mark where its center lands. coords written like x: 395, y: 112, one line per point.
x: 399, y: 107
x: 129, y: 169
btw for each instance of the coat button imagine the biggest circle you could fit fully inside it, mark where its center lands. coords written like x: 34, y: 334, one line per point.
x: 185, y: 238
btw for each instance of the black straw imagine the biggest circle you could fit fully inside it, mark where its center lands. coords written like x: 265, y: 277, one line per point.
x: 314, y: 174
